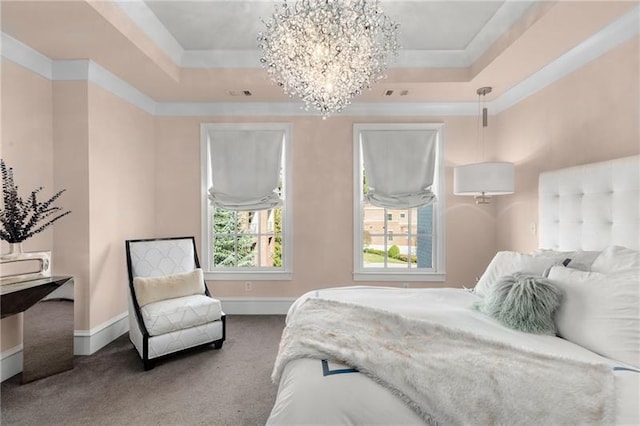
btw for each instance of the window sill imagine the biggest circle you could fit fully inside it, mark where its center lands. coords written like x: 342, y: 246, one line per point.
x: 395, y: 276
x: 248, y: 276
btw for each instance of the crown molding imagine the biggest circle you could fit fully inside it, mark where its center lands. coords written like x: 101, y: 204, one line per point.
x: 87, y: 70
x: 148, y: 22
x: 220, y: 59
x: 504, y: 18
x: 251, y: 59
x: 611, y: 36
x: 23, y: 55
x: 229, y: 109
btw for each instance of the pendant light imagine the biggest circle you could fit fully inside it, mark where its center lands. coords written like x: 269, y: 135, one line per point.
x: 487, y: 178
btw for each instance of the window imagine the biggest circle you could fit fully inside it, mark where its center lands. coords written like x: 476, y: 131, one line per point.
x: 245, y: 226
x: 397, y: 243
x: 246, y: 239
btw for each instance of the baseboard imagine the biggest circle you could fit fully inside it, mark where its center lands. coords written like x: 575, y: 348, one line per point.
x: 256, y: 305
x: 87, y: 342
x: 10, y: 362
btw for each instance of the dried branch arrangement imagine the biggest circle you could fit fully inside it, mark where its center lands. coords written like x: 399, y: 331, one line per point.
x: 20, y: 218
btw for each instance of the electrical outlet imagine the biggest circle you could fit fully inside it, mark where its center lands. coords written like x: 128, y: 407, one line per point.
x: 247, y: 286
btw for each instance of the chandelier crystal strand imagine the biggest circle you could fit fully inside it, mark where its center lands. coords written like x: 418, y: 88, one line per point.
x: 328, y: 51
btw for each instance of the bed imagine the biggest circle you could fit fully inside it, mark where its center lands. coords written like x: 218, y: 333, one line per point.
x: 588, y: 214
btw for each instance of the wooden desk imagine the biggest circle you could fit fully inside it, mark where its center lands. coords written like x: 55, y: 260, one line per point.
x: 48, y: 325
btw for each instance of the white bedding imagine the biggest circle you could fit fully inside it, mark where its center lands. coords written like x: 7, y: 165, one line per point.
x: 339, y: 396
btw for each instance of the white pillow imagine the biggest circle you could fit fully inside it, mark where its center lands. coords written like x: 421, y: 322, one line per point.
x: 155, y: 289
x: 580, y: 259
x: 509, y: 262
x: 600, y: 312
x: 614, y: 258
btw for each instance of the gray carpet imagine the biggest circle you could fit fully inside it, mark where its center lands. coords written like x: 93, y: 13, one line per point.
x: 230, y: 386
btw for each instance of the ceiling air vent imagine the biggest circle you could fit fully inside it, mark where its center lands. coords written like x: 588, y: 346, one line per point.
x: 239, y: 92
x: 394, y: 93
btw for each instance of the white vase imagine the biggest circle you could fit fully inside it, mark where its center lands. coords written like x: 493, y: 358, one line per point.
x: 15, y: 249
x: 18, y: 265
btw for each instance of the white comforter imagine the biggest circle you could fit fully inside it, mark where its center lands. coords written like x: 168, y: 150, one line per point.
x: 313, y: 393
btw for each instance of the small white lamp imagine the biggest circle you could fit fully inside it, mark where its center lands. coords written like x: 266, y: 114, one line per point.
x: 485, y: 179
x: 482, y: 180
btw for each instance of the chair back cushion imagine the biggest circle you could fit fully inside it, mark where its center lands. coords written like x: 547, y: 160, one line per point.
x: 156, y: 258
x: 155, y: 289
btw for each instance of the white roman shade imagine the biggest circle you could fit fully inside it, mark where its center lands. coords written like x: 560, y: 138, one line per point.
x: 245, y: 168
x: 399, y: 167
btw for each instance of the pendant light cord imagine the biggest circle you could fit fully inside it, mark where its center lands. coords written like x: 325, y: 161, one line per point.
x: 482, y: 118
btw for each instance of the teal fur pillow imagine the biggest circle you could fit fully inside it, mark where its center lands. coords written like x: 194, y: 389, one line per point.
x: 523, y: 302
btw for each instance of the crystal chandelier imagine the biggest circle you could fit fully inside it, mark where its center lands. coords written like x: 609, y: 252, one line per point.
x: 328, y: 51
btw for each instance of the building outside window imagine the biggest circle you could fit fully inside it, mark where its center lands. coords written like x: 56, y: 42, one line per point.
x: 412, y: 234
x: 398, y: 243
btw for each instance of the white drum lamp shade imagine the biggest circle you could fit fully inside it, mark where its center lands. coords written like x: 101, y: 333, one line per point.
x: 483, y: 179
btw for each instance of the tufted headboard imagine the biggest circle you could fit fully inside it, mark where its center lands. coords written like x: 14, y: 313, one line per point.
x: 590, y: 207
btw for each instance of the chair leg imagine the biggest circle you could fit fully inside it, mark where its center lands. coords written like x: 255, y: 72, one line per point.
x: 148, y: 364
x: 218, y: 344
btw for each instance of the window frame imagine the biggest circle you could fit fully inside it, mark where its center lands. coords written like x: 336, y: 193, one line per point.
x: 246, y: 273
x: 437, y: 273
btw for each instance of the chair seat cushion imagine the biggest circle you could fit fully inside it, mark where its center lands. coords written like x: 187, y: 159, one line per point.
x: 180, y: 313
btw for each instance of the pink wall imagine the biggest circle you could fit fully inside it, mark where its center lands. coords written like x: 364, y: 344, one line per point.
x: 74, y: 135
x: 122, y: 195
x: 27, y: 147
x: 322, y: 200
x: 590, y: 115
x: 27, y: 139
x: 71, y: 160
x: 104, y: 155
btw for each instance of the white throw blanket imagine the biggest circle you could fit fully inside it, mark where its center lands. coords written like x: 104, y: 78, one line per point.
x: 450, y: 376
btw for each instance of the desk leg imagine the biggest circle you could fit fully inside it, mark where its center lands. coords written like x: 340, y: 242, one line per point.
x: 47, y: 339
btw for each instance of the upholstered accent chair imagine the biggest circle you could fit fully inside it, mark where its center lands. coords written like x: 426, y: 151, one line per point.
x: 170, y: 308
